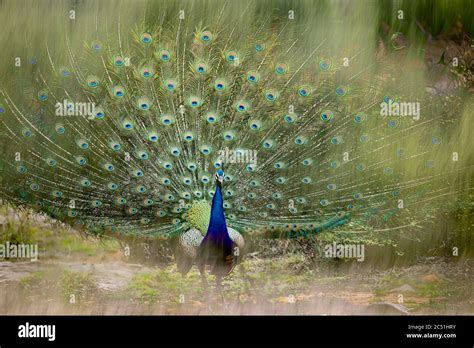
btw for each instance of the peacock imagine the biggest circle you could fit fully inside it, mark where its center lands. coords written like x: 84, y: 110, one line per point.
x: 220, y: 248
x: 120, y: 117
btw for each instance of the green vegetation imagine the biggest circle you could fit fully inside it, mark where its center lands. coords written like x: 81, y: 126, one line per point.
x: 78, y: 287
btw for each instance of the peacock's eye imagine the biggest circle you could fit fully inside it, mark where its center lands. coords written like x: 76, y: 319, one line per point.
x: 259, y: 47
x: 118, y: 61
x: 252, y: 77
x: 96, y: 46
x: 325, y: 65
x: 341, y: 91
x: 232, y: 57
x: 175, y: 152
x: 43, y: 95
x: 194, y: 102
x: 146, y: 38
x: 281, y: 69
x: 165, y: 55
x: 206, y: 37
x: 271, y: 95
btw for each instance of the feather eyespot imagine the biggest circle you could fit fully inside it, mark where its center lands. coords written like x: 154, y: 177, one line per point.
x: 143, y: 103
x: 242, y: 106
x: 201, y: 68
x: 268, y: 143
x: 96, y: 46
x: 167, y: 119
x: 146, y: 38
x: 359, y: 118
x: 175, y: 151
x: 341, y: 91
x: 127, y: 125
x: 281, y: 69
x: 115, y: 146
x: 206, y: 37
x: 83, y: 144
x: 92, y: 81
x: 220, y: 85
x: 232, y: 57
x: 143, y: 155
x: 253, y: 77
x: 271, y: 95
x: 327, y: 116
x: 118, y: 91
x: 118, y: 61
x: 259, y: 47
x: 188, y: 136
x: 60, y: 128
x: 165, y: 55
x: 43, y: 95
x: 194, y: 102
x: 304, y: 91
x: 324, y: 64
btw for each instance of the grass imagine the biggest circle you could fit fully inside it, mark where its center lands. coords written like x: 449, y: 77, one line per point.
x: 32, y: 280
x: 258, y: 279
x: 21, y: 228
x: 164, y: 285
x: 78, y: 287
x: 18, y: 233
x: 87, y: 245
x: 264, y: 278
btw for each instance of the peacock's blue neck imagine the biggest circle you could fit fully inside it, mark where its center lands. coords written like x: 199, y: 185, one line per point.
x: 217, y: 230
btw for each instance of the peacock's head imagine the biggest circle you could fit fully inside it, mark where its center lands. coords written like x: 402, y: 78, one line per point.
x: 220, y: 175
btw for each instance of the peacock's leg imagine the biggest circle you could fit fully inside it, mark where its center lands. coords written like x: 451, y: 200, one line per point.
x: 207, y: 294
x: 204, y: 282
x: 219, y: 289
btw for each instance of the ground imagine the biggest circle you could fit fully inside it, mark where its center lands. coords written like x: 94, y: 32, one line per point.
x: 85, y: 275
